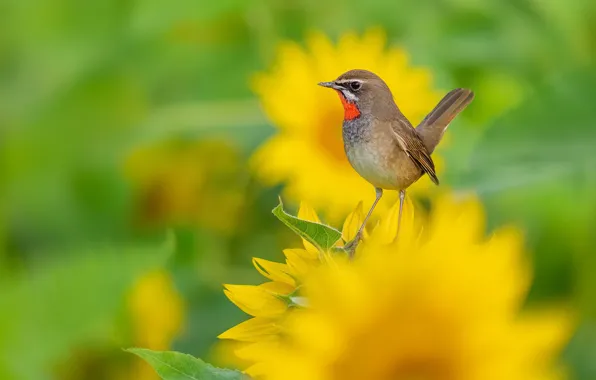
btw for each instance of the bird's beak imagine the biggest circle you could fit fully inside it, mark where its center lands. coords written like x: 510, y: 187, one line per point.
x: 332, y: 85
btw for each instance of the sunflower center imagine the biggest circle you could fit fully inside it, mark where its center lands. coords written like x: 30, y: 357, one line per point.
x: 329, y: 136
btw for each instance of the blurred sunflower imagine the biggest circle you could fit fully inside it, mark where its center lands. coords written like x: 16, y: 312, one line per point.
x: 308, y: 154
x: 188, y: 182
x: 157, y: 312
x: 444, y: 305
x: 271, y: 303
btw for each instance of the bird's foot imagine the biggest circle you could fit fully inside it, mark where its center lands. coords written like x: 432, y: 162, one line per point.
x: 350, y: 247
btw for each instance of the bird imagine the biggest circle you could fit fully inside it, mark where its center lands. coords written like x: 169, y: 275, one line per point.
x: 380, y: 142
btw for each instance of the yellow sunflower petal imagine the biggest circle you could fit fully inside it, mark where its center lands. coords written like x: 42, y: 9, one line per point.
x: 258, y: 370
x: 259, y: 301
x: 411, y: 225
x: 258, y: 351
x: 543, y: 334
x: 277, y: 288
x: 252, y: 330
x: 303, y: 253
x: 299, y: 261
x: 352, y: 223
x: 306, y: 212
x: 385, y: 231
x: 505, y: 255
x: 273, y: 271
x: 466, y: 216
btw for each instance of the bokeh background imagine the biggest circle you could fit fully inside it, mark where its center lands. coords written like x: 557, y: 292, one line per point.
x: 126, y: 130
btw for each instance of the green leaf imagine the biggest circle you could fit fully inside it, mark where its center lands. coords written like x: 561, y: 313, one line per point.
x: 320, y: 235
x: 171, y: 365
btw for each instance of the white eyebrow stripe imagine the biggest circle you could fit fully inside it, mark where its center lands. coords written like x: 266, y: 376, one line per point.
x: 349, y: 81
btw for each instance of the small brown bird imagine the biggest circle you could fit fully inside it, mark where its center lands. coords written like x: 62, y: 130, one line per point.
x: 380, y: 142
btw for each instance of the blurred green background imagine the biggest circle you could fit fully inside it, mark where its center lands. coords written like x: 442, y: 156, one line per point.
x: 125, y: 129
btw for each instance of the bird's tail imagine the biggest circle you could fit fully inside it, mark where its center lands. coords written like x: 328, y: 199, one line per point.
x: 433, y: 126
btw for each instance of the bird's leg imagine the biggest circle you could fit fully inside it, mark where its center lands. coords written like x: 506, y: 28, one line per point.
x: 351, y: 246
x: 402, y: 198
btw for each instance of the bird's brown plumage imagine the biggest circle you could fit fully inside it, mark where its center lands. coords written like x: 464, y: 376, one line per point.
x: 401, y: 149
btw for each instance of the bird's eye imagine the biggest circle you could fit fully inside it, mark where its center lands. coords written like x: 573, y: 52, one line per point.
x: 355, y: 86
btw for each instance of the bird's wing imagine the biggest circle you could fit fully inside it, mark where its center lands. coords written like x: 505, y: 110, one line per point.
x: 410, y: 142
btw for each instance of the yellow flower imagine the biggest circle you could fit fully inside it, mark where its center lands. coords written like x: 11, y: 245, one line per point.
x: 442, y: 305
x: 187, y: 182
x: 272, y: 302
x: 157, y: 312
x: 308, y: 153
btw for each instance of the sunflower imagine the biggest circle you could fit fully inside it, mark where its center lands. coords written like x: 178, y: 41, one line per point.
x: 441, y: 305
x: 307, y: 154
x: 272, y: 302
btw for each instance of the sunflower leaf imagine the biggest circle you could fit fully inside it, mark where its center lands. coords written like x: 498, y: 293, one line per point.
x: 171, y: 365
x: 320, y: 235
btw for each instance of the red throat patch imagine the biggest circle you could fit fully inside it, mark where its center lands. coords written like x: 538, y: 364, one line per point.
x: 351, y: 111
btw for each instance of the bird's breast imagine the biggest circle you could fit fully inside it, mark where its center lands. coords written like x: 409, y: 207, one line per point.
x: 375, y: 155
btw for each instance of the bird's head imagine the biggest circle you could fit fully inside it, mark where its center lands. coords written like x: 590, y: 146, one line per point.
x: 360, y: 92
